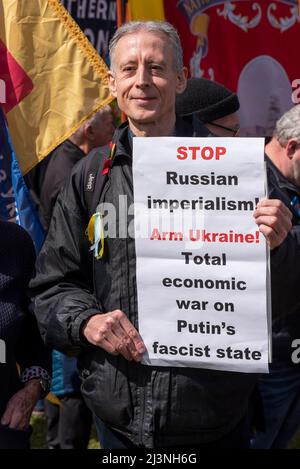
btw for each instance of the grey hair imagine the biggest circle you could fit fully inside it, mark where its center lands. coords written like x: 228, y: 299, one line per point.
x: 151, y: 27
x: 94, y: 120
x: 288, y: 126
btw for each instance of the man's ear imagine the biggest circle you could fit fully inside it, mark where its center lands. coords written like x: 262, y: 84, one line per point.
x: 89, y: 133
x: 291, y: 147
x: 181, y: 80
x: 112, y: 84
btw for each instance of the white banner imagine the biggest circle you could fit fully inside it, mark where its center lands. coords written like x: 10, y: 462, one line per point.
x: 201, y: 261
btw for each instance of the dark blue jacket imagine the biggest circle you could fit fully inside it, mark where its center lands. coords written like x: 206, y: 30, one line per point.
x: 285, y: 280
x: 18, y: 328
x: 65, y: 378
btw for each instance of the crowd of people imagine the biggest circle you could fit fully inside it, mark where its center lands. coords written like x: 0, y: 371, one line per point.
x: 86, y: 308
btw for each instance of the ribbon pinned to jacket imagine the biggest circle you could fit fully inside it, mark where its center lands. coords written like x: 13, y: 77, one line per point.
x: 95, y: 233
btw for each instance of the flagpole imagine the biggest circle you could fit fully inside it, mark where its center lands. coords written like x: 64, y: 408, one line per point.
x: 120, y: 12
x: 120, y: 20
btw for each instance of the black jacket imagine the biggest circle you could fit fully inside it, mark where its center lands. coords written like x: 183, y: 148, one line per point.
x: 150, y: 405
x: 285, y: 271
x: 18, y: 328
x: 59, y: 166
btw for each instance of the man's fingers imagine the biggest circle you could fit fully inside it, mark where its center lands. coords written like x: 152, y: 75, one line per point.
x: 274, y: 220
x: 273, y: 206
x: 124, y: 336
x: 17, y: 412
x: 281, y: 227
x: 124, y: 344
x: 133, y: 334
x: 273, y: 239
x: 276, y: 213
x: 117, y: 343
x: 6, y: 418
x: 116, y: 334
x: 16, y: 421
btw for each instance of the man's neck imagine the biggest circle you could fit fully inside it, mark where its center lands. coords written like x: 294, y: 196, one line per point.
x: 83, y: 146
x: 152, y: 129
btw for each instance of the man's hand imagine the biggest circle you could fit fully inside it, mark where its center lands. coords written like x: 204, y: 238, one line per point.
x: 116, y: 334
x: 274, y: 221
x: 21, y: 405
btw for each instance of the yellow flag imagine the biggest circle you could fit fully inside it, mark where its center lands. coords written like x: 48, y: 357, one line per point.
x: 53, y: 399
x: 147, y: 10
x: 64, y: 79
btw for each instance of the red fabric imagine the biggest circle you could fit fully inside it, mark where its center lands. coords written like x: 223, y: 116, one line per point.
x: 229, y: 47
x: 17, y: 83
x: 106, y: 167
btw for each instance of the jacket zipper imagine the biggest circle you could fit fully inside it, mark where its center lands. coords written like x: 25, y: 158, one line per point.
x: 142, y: 415
x: 142, y: 388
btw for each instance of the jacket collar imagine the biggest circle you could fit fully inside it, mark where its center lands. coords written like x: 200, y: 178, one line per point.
x: 281, y: 180
x: 123, y: 140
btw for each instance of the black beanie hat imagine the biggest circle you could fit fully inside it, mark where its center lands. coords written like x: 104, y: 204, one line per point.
x: 206, y: 98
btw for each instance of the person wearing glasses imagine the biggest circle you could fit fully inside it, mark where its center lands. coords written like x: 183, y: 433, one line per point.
x: 210, y: 107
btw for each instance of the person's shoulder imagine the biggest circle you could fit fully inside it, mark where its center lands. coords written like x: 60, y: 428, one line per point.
x: 13, y: 231
x: 16, y: 243
x: 96, y: 156
x: 63, y: 159
x: 78, y: 182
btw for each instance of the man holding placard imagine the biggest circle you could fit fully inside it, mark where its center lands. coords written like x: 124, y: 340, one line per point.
x: 89, y: 306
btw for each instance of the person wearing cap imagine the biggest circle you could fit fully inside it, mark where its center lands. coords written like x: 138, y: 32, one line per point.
x: 210, y: 107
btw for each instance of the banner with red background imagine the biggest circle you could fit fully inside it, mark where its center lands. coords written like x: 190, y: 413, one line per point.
x: 252, y: 47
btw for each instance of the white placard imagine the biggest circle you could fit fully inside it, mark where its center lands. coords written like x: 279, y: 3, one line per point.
x: 201, y: 261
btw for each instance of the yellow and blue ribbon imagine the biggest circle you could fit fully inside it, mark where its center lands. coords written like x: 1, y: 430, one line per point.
x: 95, y: 233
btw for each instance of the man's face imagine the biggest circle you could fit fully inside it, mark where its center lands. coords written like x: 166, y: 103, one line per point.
x: 293, y: 171
x: 231, y: 122
x: 144, y: 78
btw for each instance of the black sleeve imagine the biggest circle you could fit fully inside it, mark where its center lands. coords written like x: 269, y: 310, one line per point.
x: 31, y: 350
x: 285, y: 275
x: 57, y: 172
x: 62, y: 289
x: 20, y: 253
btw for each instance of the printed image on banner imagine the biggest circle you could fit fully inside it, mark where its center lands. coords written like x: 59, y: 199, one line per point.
x: 96, y: 19
x: 243, y: 45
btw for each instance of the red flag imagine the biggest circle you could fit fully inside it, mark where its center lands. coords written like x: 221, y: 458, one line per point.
x: 17, y: 82
x: 247, y: 46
